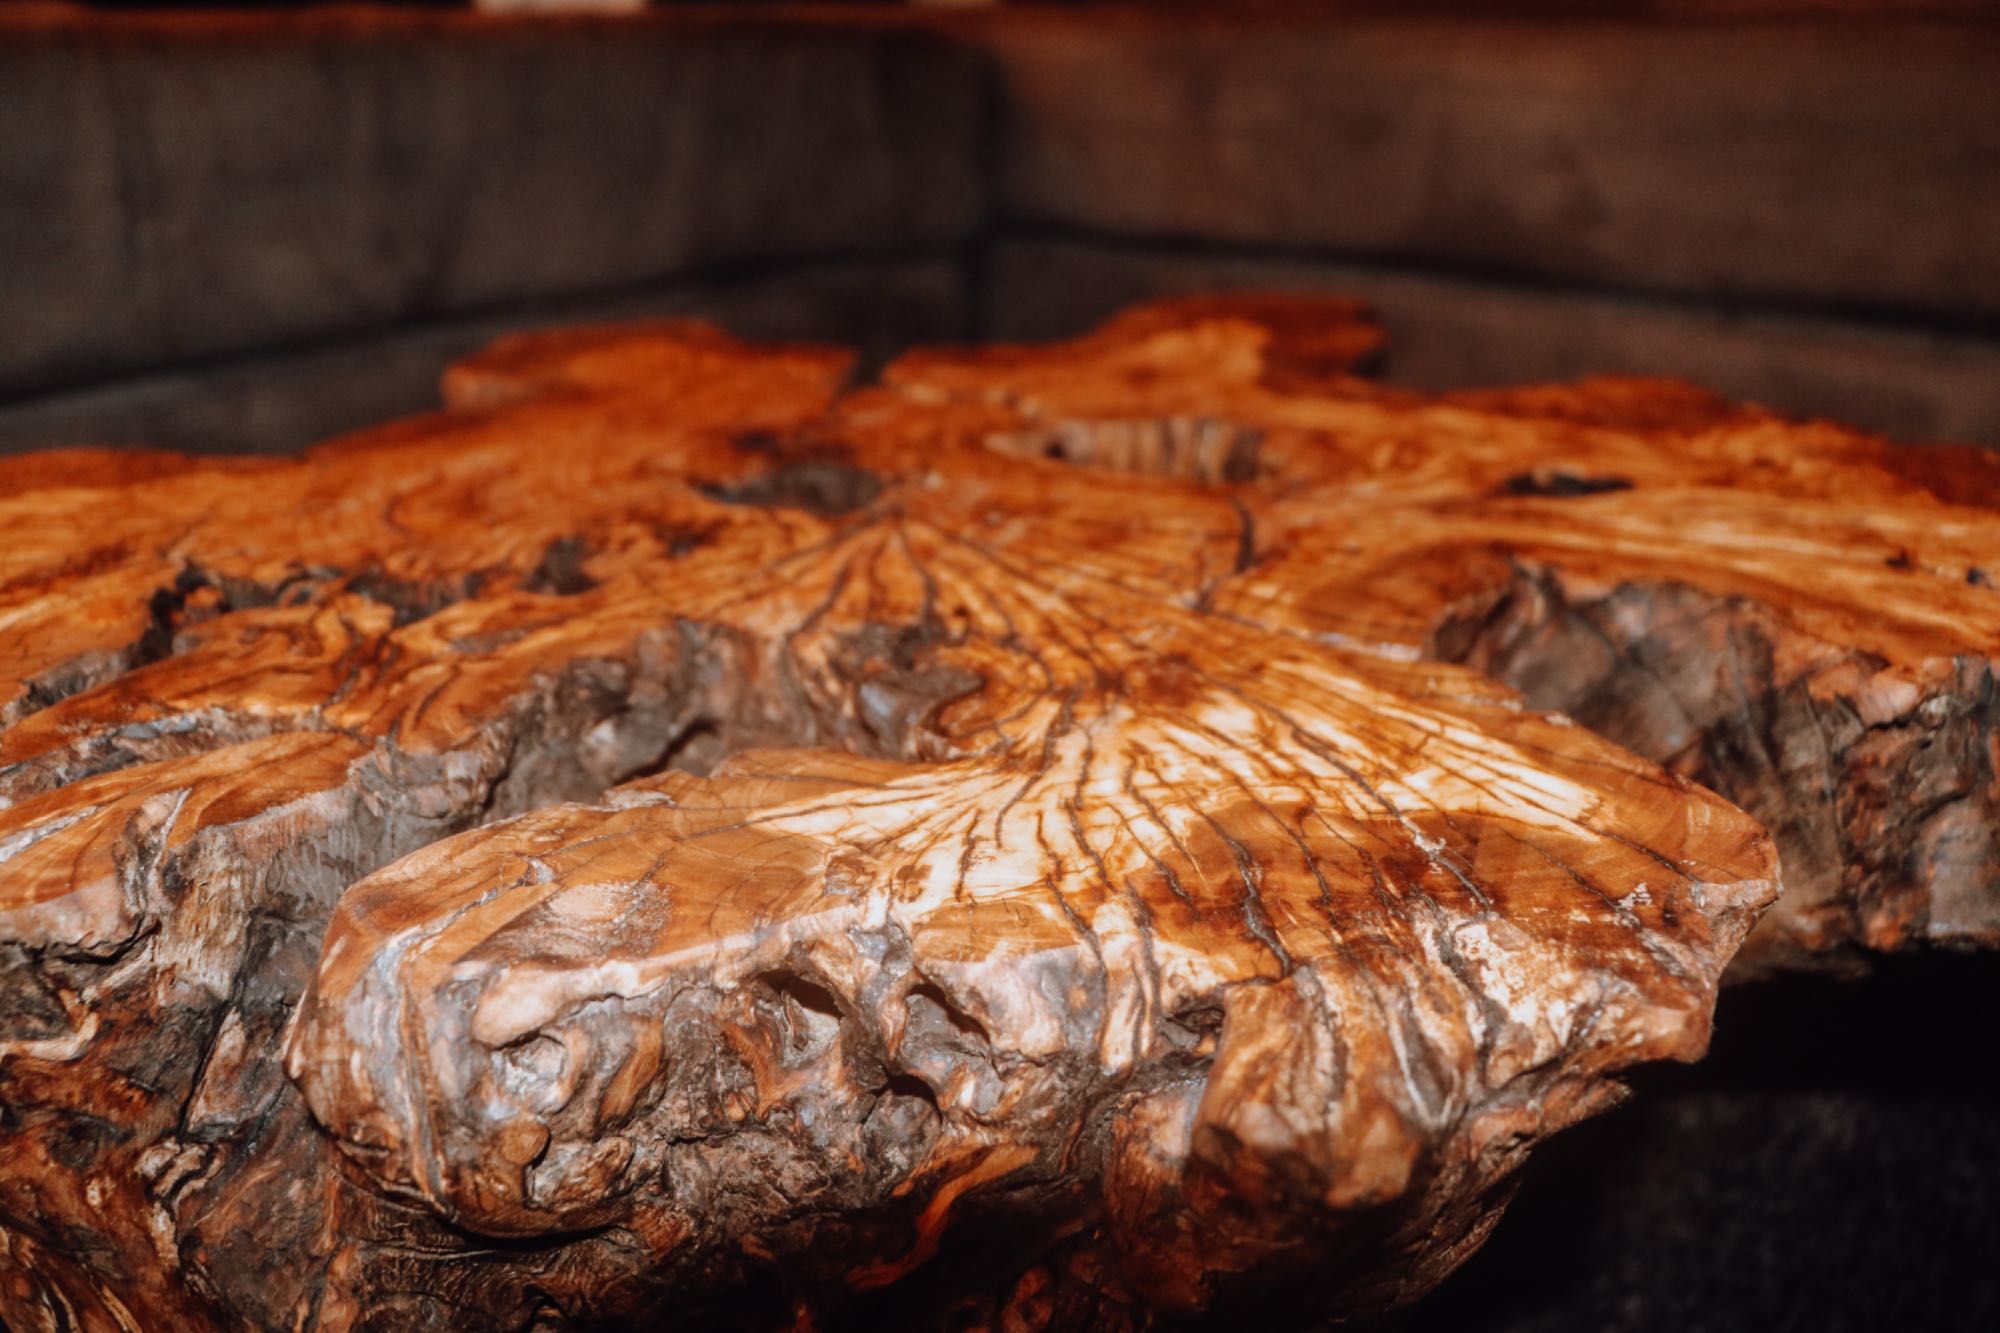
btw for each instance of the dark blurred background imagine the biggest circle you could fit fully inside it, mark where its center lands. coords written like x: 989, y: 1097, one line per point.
x: 1833, y: 1165
x: 252, y: 228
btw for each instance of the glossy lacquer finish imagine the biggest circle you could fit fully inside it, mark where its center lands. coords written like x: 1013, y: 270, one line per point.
x: 1051, y: 837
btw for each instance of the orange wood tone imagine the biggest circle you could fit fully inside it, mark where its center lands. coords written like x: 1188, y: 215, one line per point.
x: 673, y: 833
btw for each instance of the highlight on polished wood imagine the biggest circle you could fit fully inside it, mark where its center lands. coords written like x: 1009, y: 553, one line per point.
x: 1082, y: 834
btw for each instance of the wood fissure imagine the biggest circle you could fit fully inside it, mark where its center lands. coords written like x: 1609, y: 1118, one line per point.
x: 673, y: 835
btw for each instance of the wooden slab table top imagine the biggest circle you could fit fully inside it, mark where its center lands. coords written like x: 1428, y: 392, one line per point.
x: 1056, y: 836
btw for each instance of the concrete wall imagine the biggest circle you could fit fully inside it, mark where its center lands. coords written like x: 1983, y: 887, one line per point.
x: 1800, y: 211
x: 212, y: 224
x: 246, y: 232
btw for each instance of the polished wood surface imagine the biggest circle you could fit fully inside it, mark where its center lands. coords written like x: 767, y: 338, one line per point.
x: 675, y: 835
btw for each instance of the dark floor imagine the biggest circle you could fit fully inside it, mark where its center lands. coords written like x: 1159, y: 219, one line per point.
x: 1834, y: 1165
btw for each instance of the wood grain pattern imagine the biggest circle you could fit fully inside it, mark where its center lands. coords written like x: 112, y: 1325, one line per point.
x: 667, y: 836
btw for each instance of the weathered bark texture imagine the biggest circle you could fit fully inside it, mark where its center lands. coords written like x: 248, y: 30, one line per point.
x: 667, y: 838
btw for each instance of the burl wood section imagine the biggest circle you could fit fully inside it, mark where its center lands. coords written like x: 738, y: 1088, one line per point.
x: 1014, y: 844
